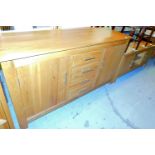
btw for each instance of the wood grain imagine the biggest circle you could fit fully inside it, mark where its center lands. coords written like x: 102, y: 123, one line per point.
x: 25, y: 44
x: 110, y: 62
x: 5, y: 109
x: 134, y: 58
x: 11, y: 77
x: 38, y: 82
x: 3, y: 120
x: 45, y: 69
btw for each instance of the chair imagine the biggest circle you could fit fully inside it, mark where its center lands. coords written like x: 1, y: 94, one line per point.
x: 138, y: 34
x: 5, y: 28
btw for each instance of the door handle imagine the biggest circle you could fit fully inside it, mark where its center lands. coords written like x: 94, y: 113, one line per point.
x: 86, y: 70
x: 85, y: 81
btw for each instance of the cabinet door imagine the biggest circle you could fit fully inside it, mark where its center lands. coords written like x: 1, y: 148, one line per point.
x: 37, y: 79
x: 110, y: 62
x: 33, y: 85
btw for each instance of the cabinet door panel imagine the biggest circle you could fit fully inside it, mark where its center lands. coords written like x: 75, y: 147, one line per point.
x: 36, y: 84
x: 37, y: 78
x: 110, y: 63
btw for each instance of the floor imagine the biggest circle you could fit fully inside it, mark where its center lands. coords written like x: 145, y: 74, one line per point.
x: 129, y: 103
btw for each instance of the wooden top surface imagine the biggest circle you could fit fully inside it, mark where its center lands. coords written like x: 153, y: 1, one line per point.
x: 16, y: 45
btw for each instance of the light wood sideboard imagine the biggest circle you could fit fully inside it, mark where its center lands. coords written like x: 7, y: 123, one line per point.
x: 46, y: 69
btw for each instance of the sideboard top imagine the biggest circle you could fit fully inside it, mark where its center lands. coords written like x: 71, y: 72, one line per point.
x: 15, y: 45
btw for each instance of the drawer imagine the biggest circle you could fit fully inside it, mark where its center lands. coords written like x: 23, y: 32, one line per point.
x: 81, y: 59
x: 79, y: 90
x: 81, y: 81
x: 83, y: 74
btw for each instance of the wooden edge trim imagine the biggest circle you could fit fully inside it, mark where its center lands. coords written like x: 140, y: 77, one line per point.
x: 5, y: 108
x: 15, y: 94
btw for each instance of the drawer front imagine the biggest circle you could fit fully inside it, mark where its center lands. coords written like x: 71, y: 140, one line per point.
x: 82, y: 80
x: 79, y: 90
x: 83, y: 74
x: 82, y: 59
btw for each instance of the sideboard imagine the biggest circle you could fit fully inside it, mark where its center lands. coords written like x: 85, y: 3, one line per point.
x: 46, y: 69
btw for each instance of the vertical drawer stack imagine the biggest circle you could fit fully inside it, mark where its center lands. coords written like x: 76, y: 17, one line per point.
x: 83, y: 72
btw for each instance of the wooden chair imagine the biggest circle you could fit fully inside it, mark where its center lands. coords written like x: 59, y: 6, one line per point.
x: 5, y: 28
x: 138, y: 36
x: 147, y: 37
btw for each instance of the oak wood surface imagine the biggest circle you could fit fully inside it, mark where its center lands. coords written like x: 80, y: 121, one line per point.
x: 110, y: 61
x: 12, y: 81
x: 38, y: 83
x: 4, y: 107
x: 135, y: 58
x: 43, y: 82
x: 3, y: 120
x: 25, y: 44
x: 40, y: 78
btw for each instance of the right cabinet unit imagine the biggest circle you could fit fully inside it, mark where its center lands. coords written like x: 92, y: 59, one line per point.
x: 109, y: 63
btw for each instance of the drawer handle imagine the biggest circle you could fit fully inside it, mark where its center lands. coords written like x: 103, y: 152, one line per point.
x: 87, y: 70
x: 85, y: 81
x: 83, y: 91
x: 87, y: 59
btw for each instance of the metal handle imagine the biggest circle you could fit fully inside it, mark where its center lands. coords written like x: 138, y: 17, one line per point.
x: 83, y: 91
x: 85, y: 81
x: 85, y: 70
x: 87, y: 59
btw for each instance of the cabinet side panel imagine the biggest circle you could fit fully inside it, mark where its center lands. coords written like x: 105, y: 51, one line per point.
x: 110, y: 63
x: 5, y: 108
x: 3, y: 120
